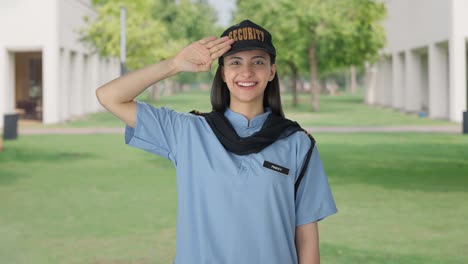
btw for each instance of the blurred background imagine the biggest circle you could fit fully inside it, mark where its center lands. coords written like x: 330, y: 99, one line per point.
x: 382, y: 86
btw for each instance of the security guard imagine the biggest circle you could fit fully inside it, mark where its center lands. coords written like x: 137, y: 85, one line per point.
x: 251, y: 185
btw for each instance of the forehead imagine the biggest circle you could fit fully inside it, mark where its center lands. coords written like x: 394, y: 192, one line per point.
x: 248, y: 54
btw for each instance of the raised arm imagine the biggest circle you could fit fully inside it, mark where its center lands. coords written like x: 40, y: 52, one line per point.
x: 117, y: 95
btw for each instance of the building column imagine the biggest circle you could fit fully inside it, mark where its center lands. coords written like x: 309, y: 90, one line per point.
x: 94, y: 79
x: 387, y: 82
x: 457, y: 61
x: 412, y: 85
x: 3, y: 82
x: 78, y: 72
x: 398, y: 80
x: 51, y: 99
x: 87, y: 93
x: 64, y: 106
x: 457, y: 93
x: 380, y: 82
x: 438, y: 81
x: 7, y: 81
x: 370, y: 83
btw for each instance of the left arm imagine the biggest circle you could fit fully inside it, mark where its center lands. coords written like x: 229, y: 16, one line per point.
x: 307, y: 244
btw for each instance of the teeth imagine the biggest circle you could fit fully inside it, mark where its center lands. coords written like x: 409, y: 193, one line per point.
x: 246, y: 84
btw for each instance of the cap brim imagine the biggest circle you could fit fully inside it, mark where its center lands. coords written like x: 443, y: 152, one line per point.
x: 230, y: 52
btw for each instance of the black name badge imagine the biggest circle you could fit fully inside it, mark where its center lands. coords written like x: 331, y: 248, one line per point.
x: 275, y: 167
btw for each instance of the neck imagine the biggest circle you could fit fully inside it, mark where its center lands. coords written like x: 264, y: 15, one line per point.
x: 248, y: 110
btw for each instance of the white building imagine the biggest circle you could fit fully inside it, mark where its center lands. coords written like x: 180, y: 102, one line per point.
x: 46, y: 74
x: 424, y: 65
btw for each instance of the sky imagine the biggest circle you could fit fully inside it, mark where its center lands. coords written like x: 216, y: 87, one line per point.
x: 224, y: 7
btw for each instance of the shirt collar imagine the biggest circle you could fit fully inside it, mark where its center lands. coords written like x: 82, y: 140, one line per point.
x: 240, y: 122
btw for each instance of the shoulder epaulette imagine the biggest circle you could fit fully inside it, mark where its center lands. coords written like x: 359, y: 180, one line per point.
x: 196, y: 112
x: 308, y: 134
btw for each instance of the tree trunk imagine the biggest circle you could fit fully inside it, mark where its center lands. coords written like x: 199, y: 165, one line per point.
x: 353, y: 79
x: 169, y: 87
x: 178, y: 87
x: 315, y: 89
x: 155, y: 92
x: 322, y: 85
x: 348, y: 81
x: 293, y: 84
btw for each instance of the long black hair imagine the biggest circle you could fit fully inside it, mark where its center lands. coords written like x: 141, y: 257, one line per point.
x: 220, y: 97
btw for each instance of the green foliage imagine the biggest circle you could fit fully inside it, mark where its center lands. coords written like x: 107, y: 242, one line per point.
x: 353, y: 37
x: 344, y: 32
x: 277, y: 18
x: 148, y: 40
x: 187, y: 20
x: 156, y: 29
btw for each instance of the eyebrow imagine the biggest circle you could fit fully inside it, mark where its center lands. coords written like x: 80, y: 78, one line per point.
x: 254, y: 57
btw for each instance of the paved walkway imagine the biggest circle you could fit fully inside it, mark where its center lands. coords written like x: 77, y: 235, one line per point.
x: 120, y: 130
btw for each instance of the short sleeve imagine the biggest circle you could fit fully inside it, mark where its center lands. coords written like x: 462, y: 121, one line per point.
x: 314, y: 200
x: 156, y: 130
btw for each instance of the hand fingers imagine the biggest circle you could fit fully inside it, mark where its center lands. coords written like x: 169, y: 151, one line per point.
x: 220, y: 52
x: 207, y: 39
x: 215, y: 42
x: 216, y: 46
x: 221, y: 46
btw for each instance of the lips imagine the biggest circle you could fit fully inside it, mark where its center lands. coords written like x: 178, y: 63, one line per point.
x: 246, y: 84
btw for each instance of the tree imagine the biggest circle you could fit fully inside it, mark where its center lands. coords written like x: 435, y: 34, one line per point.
x: 333, y: 33
x: 188, y: 21
x: 285, y: 36
x: 148, y: 40
x: 156, y: 29
x: 341, y: 33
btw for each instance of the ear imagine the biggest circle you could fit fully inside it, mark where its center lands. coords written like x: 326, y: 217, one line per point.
x: 272, y: 72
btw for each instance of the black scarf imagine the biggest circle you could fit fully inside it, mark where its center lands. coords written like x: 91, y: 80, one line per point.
x: 274, y: 128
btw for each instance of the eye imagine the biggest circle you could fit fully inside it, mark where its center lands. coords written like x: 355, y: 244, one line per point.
x: 258, y: 62
x: 234, y: 62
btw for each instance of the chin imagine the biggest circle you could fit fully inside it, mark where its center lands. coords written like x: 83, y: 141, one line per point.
x: 249, y: 100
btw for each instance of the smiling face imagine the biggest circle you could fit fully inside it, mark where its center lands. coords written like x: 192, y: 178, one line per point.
x: 246, y: 75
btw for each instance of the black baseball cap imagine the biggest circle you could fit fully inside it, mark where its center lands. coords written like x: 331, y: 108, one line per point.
x: 249, y: 36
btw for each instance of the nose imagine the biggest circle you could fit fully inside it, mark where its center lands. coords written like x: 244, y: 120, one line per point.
x: 247, y: 70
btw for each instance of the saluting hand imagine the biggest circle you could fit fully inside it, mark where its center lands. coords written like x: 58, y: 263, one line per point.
x: 199, y: 55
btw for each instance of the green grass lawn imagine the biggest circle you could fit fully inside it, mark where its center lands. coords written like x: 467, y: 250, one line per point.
x: 402, y: 198
x: 343, y: 110
x: 91, y: 199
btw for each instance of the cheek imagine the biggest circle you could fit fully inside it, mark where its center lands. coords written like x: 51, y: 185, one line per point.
x: 228, y: 77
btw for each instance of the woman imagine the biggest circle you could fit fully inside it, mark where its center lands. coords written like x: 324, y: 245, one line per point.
x: 251, y: 186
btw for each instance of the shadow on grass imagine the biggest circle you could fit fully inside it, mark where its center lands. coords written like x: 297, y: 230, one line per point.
x: 20, y: 156
x: 9, y: 176
x: 423, y: 167
x: 31, y: 155
x: 339, y: 254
